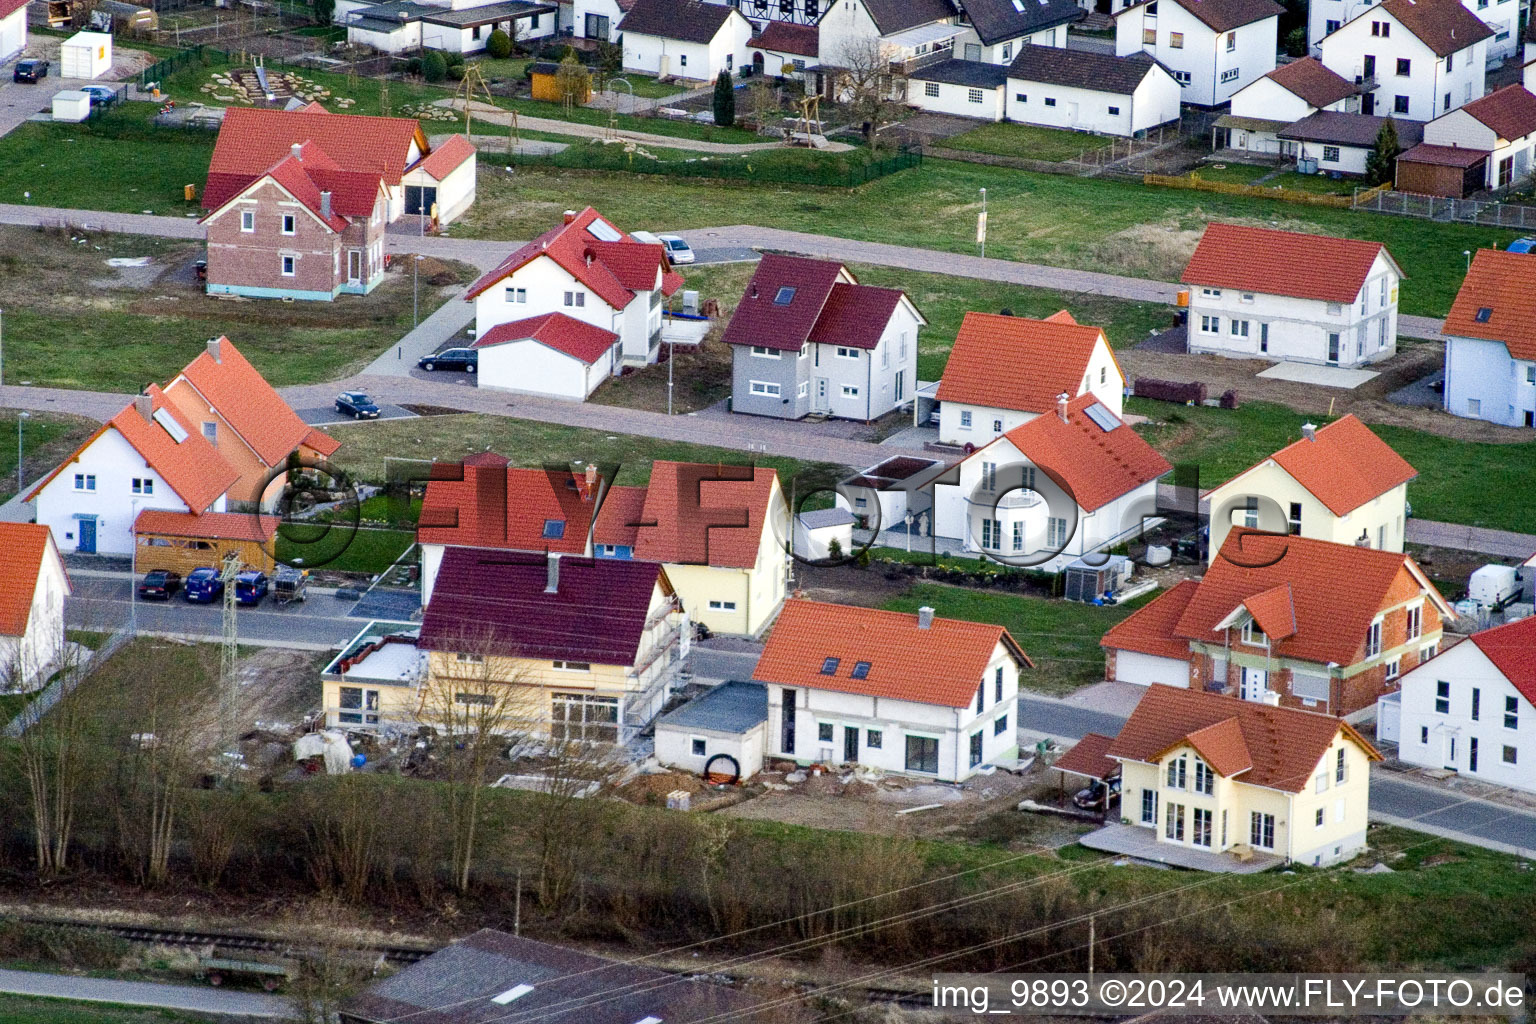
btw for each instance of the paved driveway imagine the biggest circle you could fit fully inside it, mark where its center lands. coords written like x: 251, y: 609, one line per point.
x: 327, y: 416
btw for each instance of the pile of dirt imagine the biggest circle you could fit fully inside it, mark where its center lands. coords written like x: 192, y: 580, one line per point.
x: 654, y: 789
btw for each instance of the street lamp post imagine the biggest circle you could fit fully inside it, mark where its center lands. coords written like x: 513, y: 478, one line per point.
x: 21, y: 418
x: 981, y: 229
x: 133, y: 569
x: 1468, y: 254
x: 2, y: 348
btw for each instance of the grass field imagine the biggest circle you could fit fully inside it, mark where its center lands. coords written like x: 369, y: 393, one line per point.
x: 1459, y: 481
x: 1089, y: 223
x: 1060, y: 637
x: 20, y: 1010
x: 341, y: 548
x: 47, y: 439
x: 1029, y: 141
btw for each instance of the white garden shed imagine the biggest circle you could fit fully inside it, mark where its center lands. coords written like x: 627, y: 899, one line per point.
x: 85, y: 55
x: 71, y: 105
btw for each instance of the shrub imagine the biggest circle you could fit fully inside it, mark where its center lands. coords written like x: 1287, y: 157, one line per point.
x: 434, y: 67
x: 724, y: 101
x: 456, y: 72
x: 499, y: 45
x: 455, y: 60
x: 413, y: 66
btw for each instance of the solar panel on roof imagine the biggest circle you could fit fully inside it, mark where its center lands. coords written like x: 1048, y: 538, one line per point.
x: 1100, y: 415
x: 166, y: 420
x: 603, y: 231
x: 510, y: 994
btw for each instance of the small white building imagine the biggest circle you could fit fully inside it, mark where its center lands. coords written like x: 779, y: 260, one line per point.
x: 441, y: 185
x: 1094, y: 92
x: 1501, y: 124
x: 722, y: 731
x: 33, y: 588
x: 780, y: 45
x: 453, y: 26
x: 13, y: 28
x: 1470, y: 708
x: 818, y: 530
x: 1256, y: 293
x: 1501, y: 17
x: 1490, y: 342
x: 149, y: 456
x: 590, y: 271
x: 965, y: 88
x: 1073, y: 481
x: 71, y: 105
x: 685, y: 39
x: 1284, y: 96
x: 894, y: 691
x: 85, y: 55
x: 1341, y: 143
x: 552, y: 354
x: 1003, y: 371
x: 1211, y: 47
x: 882, y: 496
x: 1412, y: 58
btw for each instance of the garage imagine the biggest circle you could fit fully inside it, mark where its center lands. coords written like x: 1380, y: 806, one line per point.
x: 553, y: 354
x: 723, y: 731
x: 1146, y: 669
x: 1145, y: 648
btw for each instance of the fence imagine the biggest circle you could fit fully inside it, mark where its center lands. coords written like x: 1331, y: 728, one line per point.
x: 164, y: 68
x: 748, y: 167
x: 63, y: 683
x: 1087, y: 159
x: 1289, y: 195
x: 1491, y: 213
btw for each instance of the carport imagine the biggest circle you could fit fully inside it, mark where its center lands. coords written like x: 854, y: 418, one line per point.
x: 181, y: 541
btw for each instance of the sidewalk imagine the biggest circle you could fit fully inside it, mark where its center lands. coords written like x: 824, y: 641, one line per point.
x: 1503, y: 543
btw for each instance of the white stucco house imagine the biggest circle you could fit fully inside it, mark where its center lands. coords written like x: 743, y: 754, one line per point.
x: 1087, y: 91
x: 965, y: 88
x: 1287, y: 94
x: 908, y: 33
x: 33, y: 588
x: 1472, y: 708
x: 588, y: 270
x: 598, y: 19
x: 685, y: 39
x: 1256, y: 293
x: 149, y: 456
x: 454, y: 26
x: 1339, y: 142
x: 1490, y: 343
x: 1004, y: 371
x: 1501, y: 17
x: 901, y: 692
x: 1211, y: 47
x: 1073, y: 481
x: 1501, y: 124
x: 551, y: 354
x: 13, y: 28
x: 1412, y: 58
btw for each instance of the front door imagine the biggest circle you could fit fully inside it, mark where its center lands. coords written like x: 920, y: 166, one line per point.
x: 1450, y: 752
x: 850, y: 745
x: 87, y: 544
x: 1263, y: 337
x: 1255, y: 683
x: 1506, y: 171
x: 354, y: 265
x: 1072, y: 114
x: 1333, y: 350
x: 822, y: 402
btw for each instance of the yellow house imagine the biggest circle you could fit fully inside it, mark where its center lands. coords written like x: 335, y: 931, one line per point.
x: 720, y: 530
x: 569, y: 647
x: 1339, y: 483
x: 1222, y: 784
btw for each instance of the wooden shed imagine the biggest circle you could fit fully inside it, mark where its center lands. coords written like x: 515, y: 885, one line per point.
x: 1430, y: 170
x: 544, y: 76
x: 181, y: 541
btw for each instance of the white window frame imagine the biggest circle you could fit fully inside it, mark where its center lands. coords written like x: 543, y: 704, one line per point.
x: 248, y: 221
x: 764, y: 388
x: 290, y: 224
x: 764, y: 352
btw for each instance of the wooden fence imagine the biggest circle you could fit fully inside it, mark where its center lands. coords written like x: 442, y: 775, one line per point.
x: 1289, y: 195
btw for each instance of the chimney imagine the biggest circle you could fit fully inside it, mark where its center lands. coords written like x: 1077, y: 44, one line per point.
x: 552, y: 585
x: 570, y: 216
x: 325, y: 205
x: 214, y: 345
x: 1061, y: 405
x: 1309, y: 431
x: 297, y: 149
x: 145, y: 406
x: 588, y: 255
x: 924, y: 617
x: 754, y: 289
x: 591, y: 479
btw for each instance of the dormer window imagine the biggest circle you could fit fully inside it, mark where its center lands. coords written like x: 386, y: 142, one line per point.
x: 1252, y: 634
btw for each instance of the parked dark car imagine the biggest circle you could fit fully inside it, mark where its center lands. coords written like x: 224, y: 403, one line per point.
x: 159, y: 585
x: 357, y: 405
x: 203, y: 584
x: 100, y: 95
x: 250, y: 587
x: 1095, y: 796
x: 464, y: 359
x: 30, y: 71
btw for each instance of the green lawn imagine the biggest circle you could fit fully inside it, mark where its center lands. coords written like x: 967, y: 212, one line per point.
x: 341, y: 548
x: 1459, y: 481
x: 20, y: 1010
x: 646, y: 86
x: 1029, y: 141
x: 1233, y: 174
x: 47, y: 439
x: 1060, y: 637
x: 1318, y: 183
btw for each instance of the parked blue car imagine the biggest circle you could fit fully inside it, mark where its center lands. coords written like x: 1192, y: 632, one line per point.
x: 250, y: 587
x: 1522, y: 245
x: 203, y: 585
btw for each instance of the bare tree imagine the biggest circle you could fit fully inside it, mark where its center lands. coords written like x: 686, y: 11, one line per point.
x: 576, y: 761
x: 51, y: 754
x: 343, y: 827
x: 332, y: 962
x: 870, y: 84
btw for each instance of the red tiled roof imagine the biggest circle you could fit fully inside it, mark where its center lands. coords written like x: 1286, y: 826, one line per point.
x: 1010, y: 362
x: 10, y: 7
x: 699, y: 514
x: 943, y: 664
x: 1088, y: 756
x: 291, y: 176
x: 446, y: 158
x: 1225, y: 15
x: 1512, y: 649
x: 1281, y: 262
x: 614, y: 270
x: 855, y: 315
x: 23, y: 547
x: 1095, y: 465
x: 1510, y: 112
x: 577, y: 339
x: 1335, y: 592
x: 494, y: 602
x: 322, y: 443
x: 1309, y: 79
x: 783, y: 37
x: 217, y: 525
x: 193, y: 468
x: 618, y: 521
x: 483, y: 503
x: 1445, y: 26
x: 1500, y: 283
x: 1149, y: 629
x: 1269, y: 746
x: 1273, y: 611
x: 251, y: 140
x: 1344, y: 465
x: 250, y: 405
x: 761, y: 320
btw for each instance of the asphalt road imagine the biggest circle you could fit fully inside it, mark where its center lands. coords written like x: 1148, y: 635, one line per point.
x: 204, y: 999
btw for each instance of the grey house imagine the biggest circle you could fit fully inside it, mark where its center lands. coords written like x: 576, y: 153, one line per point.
x: 808, y: 338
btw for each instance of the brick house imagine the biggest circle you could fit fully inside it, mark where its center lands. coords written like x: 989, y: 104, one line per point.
x: 1286, y: 620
